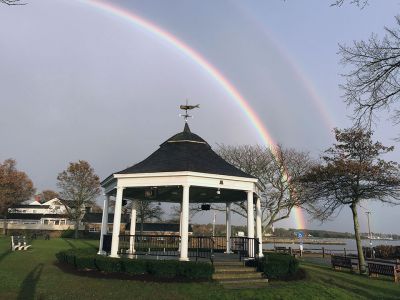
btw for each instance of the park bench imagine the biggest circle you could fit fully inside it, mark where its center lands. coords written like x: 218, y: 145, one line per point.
x: 282, y: 250
x: 380, y: 268
x: 339, y: 262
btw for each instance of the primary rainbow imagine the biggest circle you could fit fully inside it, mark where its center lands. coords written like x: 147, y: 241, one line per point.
x: 205, y: 65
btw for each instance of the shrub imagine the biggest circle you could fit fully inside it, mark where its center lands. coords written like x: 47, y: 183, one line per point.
x: 195, y: 270
x: 87, y: 259
x: 163, y: 268
x: 67, y: 234
x: 134, y: 266
x: 108, y: 264
x: 278, y: 266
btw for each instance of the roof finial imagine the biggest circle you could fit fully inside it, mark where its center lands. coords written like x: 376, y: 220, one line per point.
x: 186, y: 108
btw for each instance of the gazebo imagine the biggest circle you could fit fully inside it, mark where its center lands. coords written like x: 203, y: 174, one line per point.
x: 183, y: 170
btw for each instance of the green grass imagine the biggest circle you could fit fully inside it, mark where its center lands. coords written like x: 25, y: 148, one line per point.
x: 34, y: 275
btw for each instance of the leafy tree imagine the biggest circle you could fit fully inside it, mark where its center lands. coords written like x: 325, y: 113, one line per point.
x: 15, y: 187
x: 373, y: 82
x: 277, y: 169
x: 352, y: 172
x: 79, y: 188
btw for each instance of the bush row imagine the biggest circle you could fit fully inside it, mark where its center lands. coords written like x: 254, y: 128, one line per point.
x: 83, y: 259
x: 278, y: 266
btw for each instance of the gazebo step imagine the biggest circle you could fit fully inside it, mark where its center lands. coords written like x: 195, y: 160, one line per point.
x: 233, y: 269
x: 228, y: 263
x: 236, y: 276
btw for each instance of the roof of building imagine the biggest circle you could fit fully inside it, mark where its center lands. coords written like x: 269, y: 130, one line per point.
x: 29, y: 206
x: 185, y: 151
x: 97, y: 218
x: 23, y: 216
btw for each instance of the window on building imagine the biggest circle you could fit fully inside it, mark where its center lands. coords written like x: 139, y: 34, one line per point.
x: 56, y: 222
x: 46, y: 222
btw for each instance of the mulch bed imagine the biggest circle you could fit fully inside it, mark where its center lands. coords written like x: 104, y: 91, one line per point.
x: 121, y: 276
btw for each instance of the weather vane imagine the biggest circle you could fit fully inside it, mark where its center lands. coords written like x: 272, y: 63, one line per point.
x: 187, y: 107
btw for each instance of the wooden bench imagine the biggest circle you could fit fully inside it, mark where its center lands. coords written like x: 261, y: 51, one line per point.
x: 379, y: 268
x: 339, y: 262
x: 281, y: 250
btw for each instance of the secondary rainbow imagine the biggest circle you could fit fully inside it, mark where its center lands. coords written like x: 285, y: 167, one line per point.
x: 255, y: 121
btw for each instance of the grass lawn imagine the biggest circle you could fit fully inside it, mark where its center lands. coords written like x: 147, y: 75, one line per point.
x: 34, y: 275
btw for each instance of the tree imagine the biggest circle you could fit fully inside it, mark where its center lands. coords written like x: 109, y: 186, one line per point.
x: 352, y: 172
x: 15, y: 187
x: 147, y: 211
x: 278, y: 170
x: 47, y: 195
x: 358, y: 3
x: 12, y: 2
x: 79, y: 188
x: 373, y: 82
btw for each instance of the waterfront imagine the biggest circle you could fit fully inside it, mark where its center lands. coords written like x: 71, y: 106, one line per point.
x: 330, y: 245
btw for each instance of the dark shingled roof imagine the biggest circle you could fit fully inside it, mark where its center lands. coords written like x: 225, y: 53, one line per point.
x: 29, y: 206
x: 97, y: 217
x: 185, y: 151
x: 22, y: 216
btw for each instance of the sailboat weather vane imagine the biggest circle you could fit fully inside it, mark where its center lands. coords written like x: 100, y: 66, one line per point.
x: 187, y: 107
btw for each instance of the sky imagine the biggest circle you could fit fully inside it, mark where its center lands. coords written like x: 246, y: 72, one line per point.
x: 77, y: 82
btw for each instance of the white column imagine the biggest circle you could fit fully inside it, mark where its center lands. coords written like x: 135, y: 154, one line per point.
x: 228, y: 227
x: 250, y: 221
x: 132, y: 229
x: 185, y: 224
x: 180, y: 225
x: 104, y: 224
x: 250, y: 215
x: 117, y: 222
x: 259, y: 226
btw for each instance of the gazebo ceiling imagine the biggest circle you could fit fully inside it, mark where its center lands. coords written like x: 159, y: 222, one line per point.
x: 174, y: 194
x: 185, y: 151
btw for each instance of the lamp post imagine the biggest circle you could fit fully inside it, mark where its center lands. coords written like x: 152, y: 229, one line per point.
x: 368, y: 213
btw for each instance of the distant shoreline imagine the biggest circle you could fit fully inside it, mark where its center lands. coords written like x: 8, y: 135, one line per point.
x: 305, y: 241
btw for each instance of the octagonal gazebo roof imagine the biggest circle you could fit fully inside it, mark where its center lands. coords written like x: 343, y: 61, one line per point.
x: 185, y: 151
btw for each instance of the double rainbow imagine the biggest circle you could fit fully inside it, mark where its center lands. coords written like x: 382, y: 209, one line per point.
x: 196, y: 57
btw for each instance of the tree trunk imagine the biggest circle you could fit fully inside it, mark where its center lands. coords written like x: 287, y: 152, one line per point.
x: 76, y: 229
x: 361, y: 260
x: 141, y: 225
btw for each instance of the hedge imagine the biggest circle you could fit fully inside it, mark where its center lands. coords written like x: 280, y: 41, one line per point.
x: 87, y: 259
x: 278, y: 266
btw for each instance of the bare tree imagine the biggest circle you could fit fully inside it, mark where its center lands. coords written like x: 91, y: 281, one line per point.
x: 79, y: 188
x: 352, y: 172
x: 358, y: 3
x: 278, y: 170
x: 373, y: 83
x: 12, y: 2
x: 147, y: 211
x: 15, y: 187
